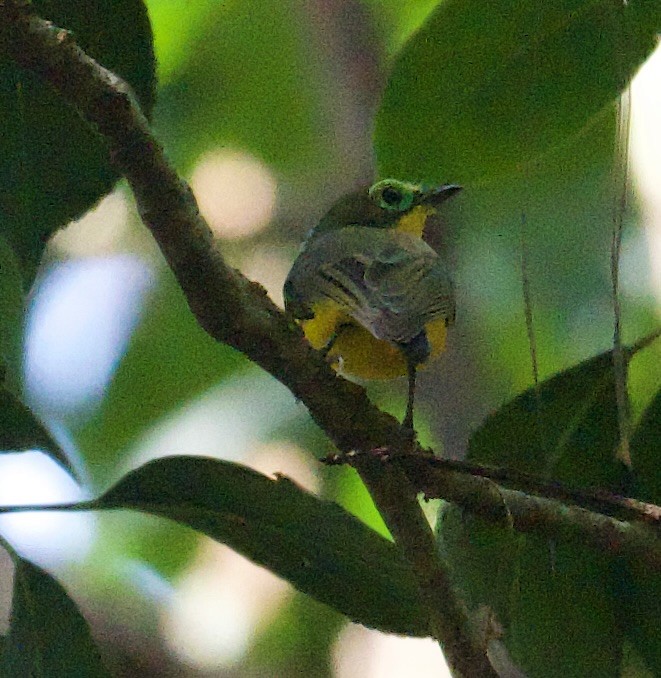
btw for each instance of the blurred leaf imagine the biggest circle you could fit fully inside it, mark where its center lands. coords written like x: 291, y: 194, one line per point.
x: 568, y: 238
x: 12, y: 294
x: 317, y: 546
x: 176, y: 28
x: 254, y: 82
x: 53, y: 167
x: 20, y: 430
x: 169, y: 361
x: 484, y: 88
x: 643, y: 377
x: 646, y: 453
x: 300, y: 641
x: 397, y: 19
x: 344, y: 487
x: 47, y: 636
x: 165, y: 548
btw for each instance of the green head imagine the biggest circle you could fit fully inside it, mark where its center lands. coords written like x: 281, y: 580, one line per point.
x: 389, y: 203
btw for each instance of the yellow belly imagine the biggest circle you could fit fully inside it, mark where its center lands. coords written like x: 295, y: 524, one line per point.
x: 358, y: 353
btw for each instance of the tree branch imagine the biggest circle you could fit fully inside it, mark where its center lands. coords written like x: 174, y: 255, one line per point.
x: 592, y: 499
x: 238, y: 312
x: 638, y: 540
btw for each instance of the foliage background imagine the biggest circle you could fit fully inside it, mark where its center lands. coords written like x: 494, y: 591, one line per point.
x: 268, y: 108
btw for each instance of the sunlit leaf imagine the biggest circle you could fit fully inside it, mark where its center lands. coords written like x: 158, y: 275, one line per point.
x: 48, y: 636
x: 397, y: 19
x: 484, y: 88
x: 53, y: 167
x: 316, y: 545
x: 20, y: 430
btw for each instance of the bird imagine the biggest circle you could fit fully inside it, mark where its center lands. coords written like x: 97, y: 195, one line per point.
x: 366, y: 288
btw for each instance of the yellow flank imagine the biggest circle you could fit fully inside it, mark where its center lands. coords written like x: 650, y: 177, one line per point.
x: 413, y: 222
x: 327, y: 317
x: 356, y: 352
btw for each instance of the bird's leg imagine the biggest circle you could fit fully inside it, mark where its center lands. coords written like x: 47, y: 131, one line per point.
x: 325, y: 350
x: 416, y: 352
x: 407, y: 423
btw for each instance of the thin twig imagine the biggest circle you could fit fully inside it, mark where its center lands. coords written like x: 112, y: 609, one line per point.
x: 620, y: 185
x: 527, y: 303
x: 643, y: 343
x: 530, y: 329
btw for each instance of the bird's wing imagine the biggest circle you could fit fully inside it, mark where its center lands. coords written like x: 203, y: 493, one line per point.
x: 393, y: 286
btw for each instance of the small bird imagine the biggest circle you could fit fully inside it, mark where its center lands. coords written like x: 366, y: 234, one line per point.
x: 366, y: 288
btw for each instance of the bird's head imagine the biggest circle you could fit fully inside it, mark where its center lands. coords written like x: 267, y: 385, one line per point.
x: 389, y: 203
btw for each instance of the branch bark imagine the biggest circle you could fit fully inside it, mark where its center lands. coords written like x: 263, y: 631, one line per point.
x: 638, y: 540
x: 237, y: 312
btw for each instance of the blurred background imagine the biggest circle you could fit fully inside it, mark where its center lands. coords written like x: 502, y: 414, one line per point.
x: 267, y: 109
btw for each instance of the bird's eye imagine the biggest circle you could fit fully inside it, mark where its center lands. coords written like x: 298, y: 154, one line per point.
x: 394, y: 195
x: 391, y: 196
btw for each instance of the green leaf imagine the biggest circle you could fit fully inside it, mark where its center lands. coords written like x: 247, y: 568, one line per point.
x: 53, y: 166
x: 567, y: 429
x: 473, y: 548
x: 12, y: 296
x: 639, y: 589
x: 484, y: 88
x: 20, y: 430
x: 564, y: 622
x: 555, y: 601
x: 639, y: 601
x: 646, y: 453
x: 633, y: 665
x: 47, y: 636
x: 552, y: 600
x: 316, y: 545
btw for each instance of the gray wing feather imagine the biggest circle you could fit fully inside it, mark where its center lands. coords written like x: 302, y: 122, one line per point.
x: 391, y: 283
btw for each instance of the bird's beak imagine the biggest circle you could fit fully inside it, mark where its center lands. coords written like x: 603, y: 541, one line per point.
x: 440, y: 194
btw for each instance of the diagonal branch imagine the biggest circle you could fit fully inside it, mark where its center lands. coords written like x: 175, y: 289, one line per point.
x: 238, y: 312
